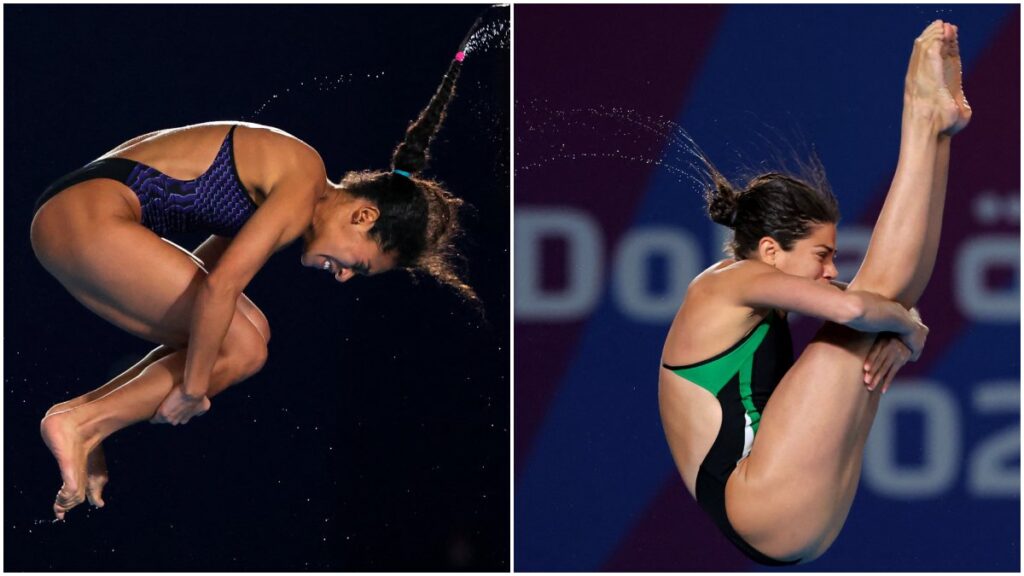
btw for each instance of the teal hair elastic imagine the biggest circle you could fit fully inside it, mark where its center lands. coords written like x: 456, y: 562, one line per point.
x: 402, y: 173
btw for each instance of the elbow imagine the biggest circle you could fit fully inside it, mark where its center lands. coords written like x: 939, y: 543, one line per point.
x: 852, y: 310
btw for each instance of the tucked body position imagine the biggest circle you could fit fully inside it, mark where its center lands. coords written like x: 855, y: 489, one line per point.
x: 255, y: 190
x: 771, y: 448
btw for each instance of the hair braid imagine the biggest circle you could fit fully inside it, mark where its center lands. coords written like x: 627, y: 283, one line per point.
x: 419, y: 219
x: 412, y: 154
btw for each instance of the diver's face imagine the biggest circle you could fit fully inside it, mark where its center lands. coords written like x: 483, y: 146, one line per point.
x: 812, y: 257
x: 339, y: 240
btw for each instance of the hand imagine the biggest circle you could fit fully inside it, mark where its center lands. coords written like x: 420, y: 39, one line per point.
x: 179, y: 408
x: 915, y: 340
x: 885, y: 359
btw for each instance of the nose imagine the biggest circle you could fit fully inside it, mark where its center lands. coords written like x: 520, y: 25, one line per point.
x: 344, y: 275
x: 831, y: 272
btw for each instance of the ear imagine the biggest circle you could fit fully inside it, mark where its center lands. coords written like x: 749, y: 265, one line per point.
x: 365, y: 214
x: 768, y: 249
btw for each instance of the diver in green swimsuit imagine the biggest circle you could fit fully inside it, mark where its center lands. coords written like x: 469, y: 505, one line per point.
x: 771, y: 447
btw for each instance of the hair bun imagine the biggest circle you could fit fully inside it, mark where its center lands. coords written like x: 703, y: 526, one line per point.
x: 723, y: 201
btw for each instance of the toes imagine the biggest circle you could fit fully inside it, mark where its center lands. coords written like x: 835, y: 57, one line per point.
x: 95, y: 491
x: 66, y: 500
x: 96, y: 499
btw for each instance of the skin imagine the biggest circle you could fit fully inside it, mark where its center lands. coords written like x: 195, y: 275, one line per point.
x: 790, y: 497
x: 210, y: 334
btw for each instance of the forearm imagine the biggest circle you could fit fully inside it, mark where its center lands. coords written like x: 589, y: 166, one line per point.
x: 211, y: 317
x: 877, y: 314
x: 211, y: 250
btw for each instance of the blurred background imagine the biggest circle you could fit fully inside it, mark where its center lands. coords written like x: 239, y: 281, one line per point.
x: 377, y: 435
x: 609, y: 230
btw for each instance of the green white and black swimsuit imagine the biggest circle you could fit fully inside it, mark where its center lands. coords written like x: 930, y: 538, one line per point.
x: 742, y: 379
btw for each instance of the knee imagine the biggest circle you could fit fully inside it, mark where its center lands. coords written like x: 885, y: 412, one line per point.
x: 255, y: 317
x: 244, y: 355
x: 251, y: 359
x: 262, y: 326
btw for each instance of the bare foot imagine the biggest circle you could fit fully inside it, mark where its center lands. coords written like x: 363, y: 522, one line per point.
x: 96, y: 469
x: 927, y: 77
x: 96, y: 464
x: 62, y: 438
x: 953, y: 76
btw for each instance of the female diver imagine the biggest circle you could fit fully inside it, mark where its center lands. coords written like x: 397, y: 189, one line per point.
x: 256, y: 189
x: 778, y: 474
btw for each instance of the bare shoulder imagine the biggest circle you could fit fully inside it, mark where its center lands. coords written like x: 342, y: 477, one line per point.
x: 273, y: 158
x: 743, y: 269
x: 718, y: 277
x: 283, y: 144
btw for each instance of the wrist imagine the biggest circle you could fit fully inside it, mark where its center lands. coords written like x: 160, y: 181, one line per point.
x: 193, y: 394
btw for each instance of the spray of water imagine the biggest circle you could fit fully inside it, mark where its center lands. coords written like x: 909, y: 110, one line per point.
x: 325, y: 83
x: 490, y: 30
x: 490, y: 36
x: 603, y: 133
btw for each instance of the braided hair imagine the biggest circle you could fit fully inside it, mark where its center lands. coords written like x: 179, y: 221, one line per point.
x: 418, y: 218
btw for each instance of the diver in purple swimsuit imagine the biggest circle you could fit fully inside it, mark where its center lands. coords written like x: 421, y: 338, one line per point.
x: 215, y: 203
x: 255, y: 189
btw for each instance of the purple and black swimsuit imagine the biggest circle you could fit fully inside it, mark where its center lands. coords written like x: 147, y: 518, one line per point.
x: 215, y: 203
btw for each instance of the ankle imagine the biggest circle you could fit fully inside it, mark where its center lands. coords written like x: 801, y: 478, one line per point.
x: 89, y: 428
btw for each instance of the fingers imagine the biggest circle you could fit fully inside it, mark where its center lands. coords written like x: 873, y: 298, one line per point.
x: 889, y: 359
x: 181, y: 414
x: 871, y: 363
x: 901, y: 360
x: 888, y: 381
x: 884, y: 373
x: 878, y: 370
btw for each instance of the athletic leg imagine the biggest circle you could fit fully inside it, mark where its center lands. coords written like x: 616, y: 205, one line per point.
x: 73, y: 434
x: 96, y: 467
x: 92, y: 243
x: 790, y: 497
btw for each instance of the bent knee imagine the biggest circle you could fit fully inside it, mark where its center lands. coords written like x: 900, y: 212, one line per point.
x: 252, y: 359
x: 245, y: 350
x: 255, y: 317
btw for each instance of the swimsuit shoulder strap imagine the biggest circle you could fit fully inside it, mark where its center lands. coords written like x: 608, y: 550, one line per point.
x: 715, y: 372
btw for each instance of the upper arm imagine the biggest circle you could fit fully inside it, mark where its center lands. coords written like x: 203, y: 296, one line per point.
x: 282, y: 218
x: 762, y: 286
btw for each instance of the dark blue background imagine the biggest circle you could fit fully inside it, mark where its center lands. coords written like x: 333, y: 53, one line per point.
x: 377, y: 435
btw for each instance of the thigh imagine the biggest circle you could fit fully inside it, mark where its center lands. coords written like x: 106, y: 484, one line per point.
x: 792, y: 494
x: 245, y: 306
x: 117, y: 268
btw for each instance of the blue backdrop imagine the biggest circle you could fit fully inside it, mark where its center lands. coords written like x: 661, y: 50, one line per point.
x: 609, y: 233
